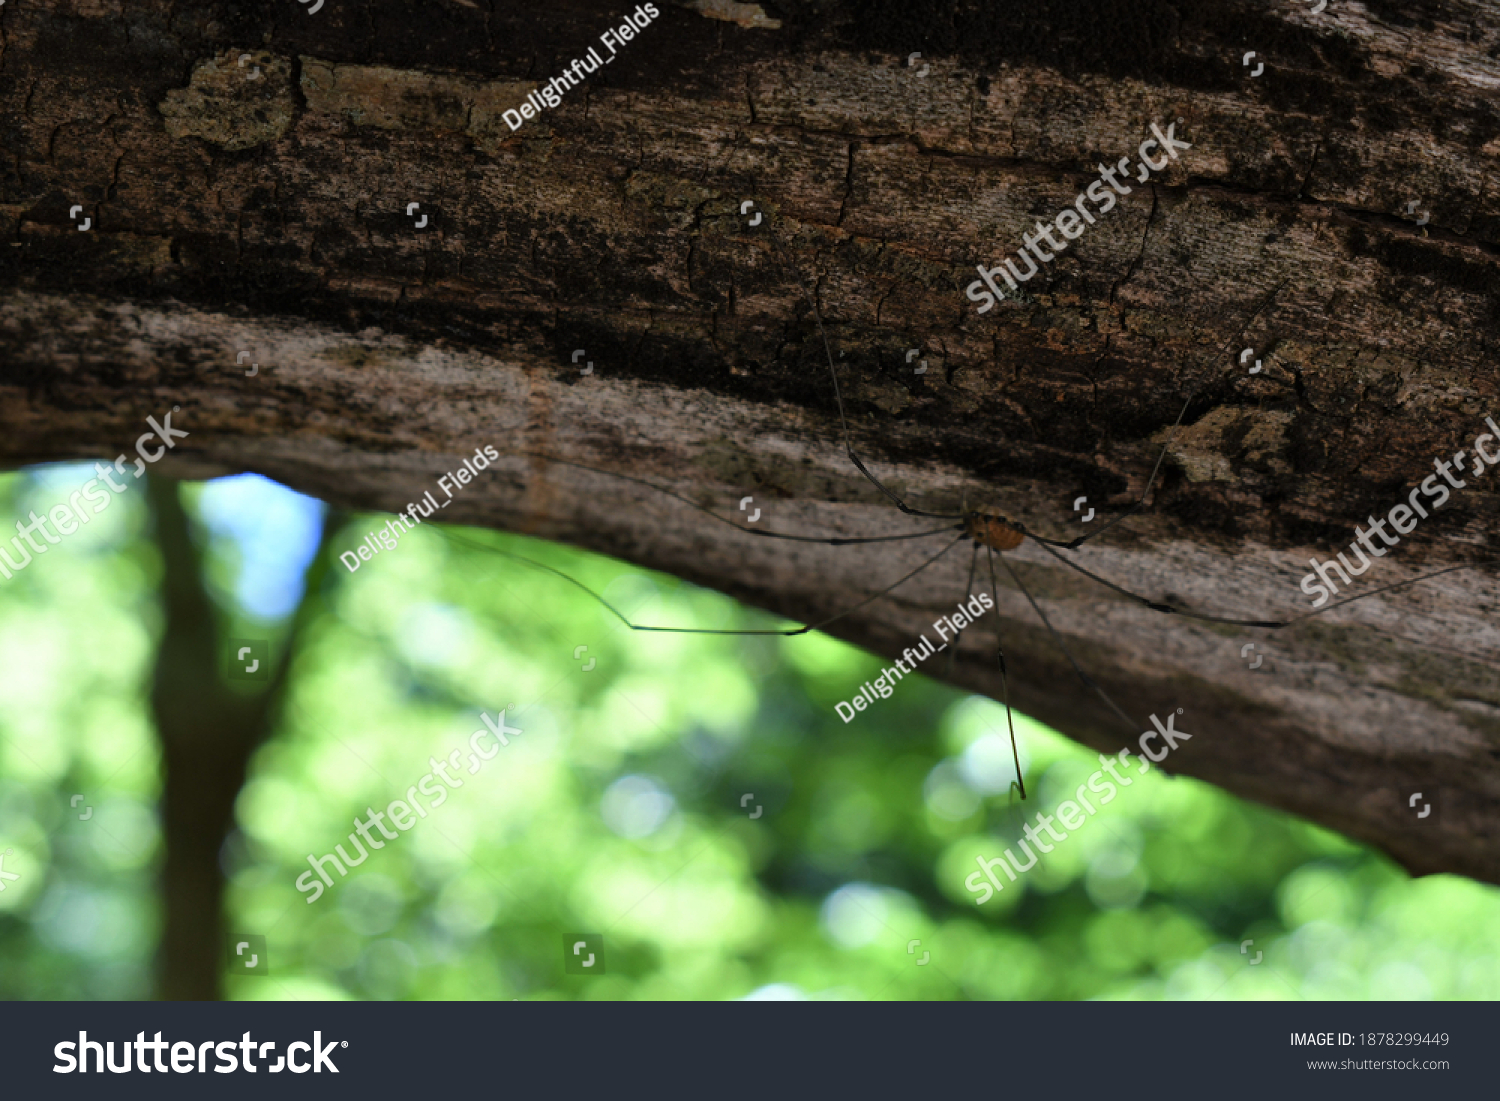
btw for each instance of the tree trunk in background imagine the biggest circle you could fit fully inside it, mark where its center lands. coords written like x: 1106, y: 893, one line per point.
x: 205, y: 746
x: 208, y: 731
x: 256, y: 208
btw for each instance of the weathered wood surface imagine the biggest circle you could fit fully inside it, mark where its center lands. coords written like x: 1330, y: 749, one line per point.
x: 267, y: 214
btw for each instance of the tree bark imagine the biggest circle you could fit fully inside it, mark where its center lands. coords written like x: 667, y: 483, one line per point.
x: 263, y: 217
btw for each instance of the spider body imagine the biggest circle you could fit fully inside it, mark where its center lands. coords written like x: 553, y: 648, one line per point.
x: 992, y: 531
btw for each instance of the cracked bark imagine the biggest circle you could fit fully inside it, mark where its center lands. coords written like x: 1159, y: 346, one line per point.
x: 383, y: 361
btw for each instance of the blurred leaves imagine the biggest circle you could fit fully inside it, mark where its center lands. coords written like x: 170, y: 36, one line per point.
x: 622, y: 807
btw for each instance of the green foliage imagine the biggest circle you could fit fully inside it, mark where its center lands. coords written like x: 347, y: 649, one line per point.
x: 618, y: 810
x: 77, y: 631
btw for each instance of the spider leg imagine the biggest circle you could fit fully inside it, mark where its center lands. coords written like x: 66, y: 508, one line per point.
x: 1389, y: 588
x: 953, y: 653
x: 1088, y: 681
x: 1159, y: 606
x: 847, y: 542
x: 1015, y: 755
x: 1270, y: 624
x: 839, y: 398
x: 833, y: 542
x: 477, y: 545
x: 1171, y: 435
